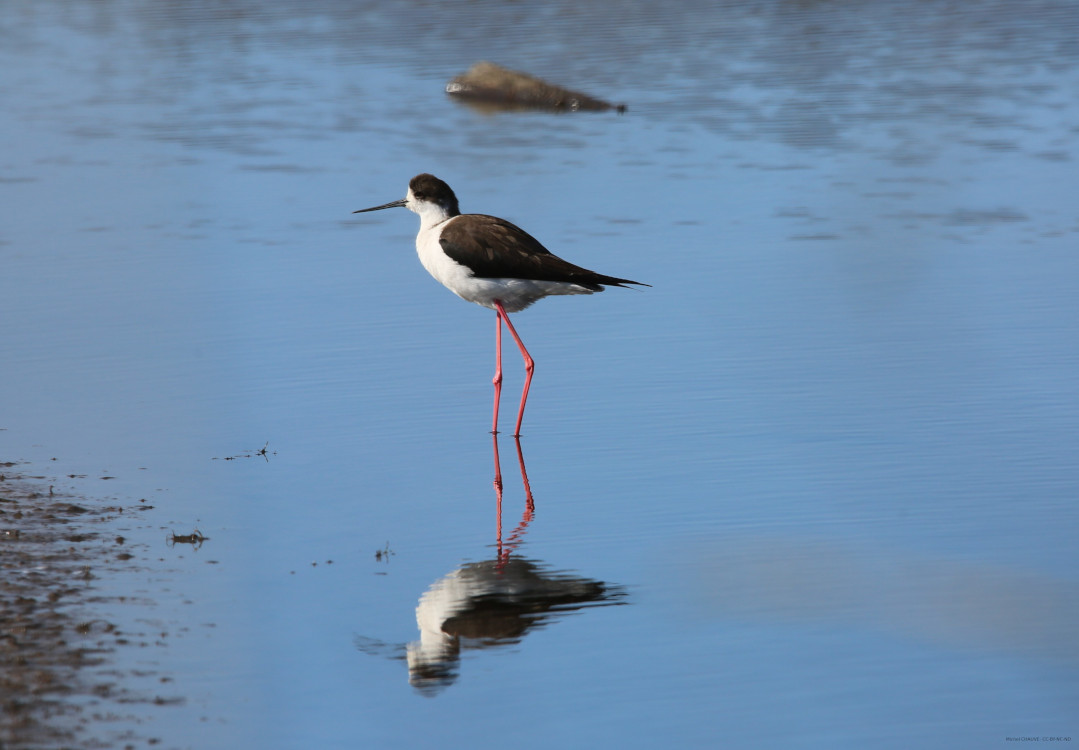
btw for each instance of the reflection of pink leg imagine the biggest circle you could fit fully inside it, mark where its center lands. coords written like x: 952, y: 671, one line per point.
x: 530, y: 367
x: 498, y: 498
x: 517, y: 535
x: 530, y: 503
x: 498, y: 373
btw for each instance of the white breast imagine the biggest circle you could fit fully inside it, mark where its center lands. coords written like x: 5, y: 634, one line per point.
x: 514, y: 294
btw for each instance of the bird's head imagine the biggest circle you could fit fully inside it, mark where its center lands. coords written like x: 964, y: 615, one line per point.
x: 428, y: 196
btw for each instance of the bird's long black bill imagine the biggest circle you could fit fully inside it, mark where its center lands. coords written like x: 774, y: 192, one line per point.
x: 394, y: 204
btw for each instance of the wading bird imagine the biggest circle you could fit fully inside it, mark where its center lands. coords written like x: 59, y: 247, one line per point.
x: 491, y: 262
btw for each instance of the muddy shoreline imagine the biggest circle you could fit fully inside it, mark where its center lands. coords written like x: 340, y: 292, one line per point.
x: 57, y: 686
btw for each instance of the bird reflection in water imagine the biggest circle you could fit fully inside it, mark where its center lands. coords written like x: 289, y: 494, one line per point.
x: 491, y: 603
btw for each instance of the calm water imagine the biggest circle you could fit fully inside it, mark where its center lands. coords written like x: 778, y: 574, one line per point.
x: 816, y: 486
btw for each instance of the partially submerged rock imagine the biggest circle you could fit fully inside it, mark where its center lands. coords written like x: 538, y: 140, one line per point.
x: 500, y: 88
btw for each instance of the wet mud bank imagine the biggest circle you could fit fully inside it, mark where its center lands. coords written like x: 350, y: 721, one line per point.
x: 58, y: 686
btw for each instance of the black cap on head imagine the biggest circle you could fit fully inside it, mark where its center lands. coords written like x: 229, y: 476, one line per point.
x: 427, y: 187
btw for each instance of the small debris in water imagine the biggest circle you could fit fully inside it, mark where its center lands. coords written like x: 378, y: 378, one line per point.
x: 195, y: 539
x: 264, y: 451
x: 383, y: 555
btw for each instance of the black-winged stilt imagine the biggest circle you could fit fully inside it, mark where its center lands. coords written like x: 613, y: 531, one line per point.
x: 491, y: 262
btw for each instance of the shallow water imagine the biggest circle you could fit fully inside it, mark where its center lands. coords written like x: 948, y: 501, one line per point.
x: 824, y: 469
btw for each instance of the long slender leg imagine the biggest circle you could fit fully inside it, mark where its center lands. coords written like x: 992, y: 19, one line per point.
x: 497, y: 380
x: 530, y: 367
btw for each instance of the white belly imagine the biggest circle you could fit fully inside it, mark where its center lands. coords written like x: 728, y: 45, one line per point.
x: 514, y: 294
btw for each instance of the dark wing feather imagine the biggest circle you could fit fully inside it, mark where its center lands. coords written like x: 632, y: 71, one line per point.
x: 501, y: 250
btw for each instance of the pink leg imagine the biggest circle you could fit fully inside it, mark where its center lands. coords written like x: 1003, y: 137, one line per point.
x: 498, y: 369
x: 530, y: 367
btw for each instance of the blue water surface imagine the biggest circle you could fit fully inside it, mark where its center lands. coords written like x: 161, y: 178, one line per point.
x: 816, y: 486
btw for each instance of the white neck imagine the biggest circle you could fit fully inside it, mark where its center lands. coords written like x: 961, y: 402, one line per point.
x: 431, y: 214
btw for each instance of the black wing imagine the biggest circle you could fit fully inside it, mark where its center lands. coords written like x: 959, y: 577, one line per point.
x: 496, y: 249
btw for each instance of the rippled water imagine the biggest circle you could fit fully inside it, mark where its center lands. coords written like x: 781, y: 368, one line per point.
x: 817, y: 485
